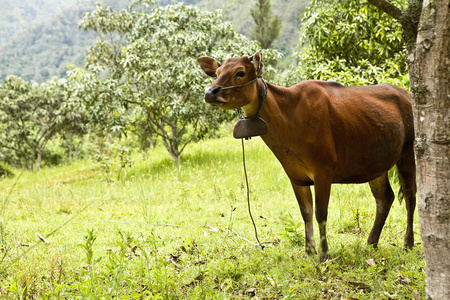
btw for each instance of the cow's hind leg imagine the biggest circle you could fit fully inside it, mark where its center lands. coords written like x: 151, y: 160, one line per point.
x: 304, y: 199
x: 322, y: 188
x: 407, y: 173
x: 384, y: 196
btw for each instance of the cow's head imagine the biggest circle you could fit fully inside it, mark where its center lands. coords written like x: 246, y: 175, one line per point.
x: 236, y: 83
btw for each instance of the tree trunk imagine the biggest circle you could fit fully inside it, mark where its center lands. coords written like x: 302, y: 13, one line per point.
x: 70, y: 152
x: 78, y: 149
x: 172, y: 147
x: 426, y: 25
x: 430, y: 85
x: 152, y: 141
x: 38, y: 161
x: 31, y: 161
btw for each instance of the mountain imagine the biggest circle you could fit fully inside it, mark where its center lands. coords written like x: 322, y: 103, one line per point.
x: 39, y: 38
x: 45, y: 48
x: 17, y: 16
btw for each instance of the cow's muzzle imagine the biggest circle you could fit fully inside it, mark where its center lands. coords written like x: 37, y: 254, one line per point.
x: 211, y: 96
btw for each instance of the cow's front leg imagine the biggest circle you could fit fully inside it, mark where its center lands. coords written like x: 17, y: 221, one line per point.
x: 322, y: 188
x: 304, y: 199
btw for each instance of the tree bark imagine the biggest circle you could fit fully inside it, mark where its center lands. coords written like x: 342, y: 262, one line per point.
x: 426, y: 25
x: 78, y: 149
x: 70, y: 152
x: 430, y: 85
x: 38, y: 160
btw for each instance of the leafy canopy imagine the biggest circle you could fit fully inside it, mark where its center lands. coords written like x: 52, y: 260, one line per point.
x: 149, y: 55
x: 351, y: 42
x: 31, y: 115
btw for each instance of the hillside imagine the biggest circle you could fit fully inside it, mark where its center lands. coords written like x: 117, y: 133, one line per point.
x: 46, y: 48
x: 17, y: 16
x: 40, y: 38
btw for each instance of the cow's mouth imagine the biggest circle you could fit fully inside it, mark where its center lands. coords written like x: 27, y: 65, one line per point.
x: 218, y: 102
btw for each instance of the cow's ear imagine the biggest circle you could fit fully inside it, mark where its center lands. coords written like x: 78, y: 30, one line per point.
x: 209, y: 65
x: 256, y: 59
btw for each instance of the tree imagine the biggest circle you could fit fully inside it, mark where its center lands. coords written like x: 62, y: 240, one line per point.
x: 105, y: 116
x: 76, y: 121
x: 426, y: 26
x: 149, y: 53
x: 31, y: 115
x: 29, y: 118
x: 351, y: 42
x: 267, y: 27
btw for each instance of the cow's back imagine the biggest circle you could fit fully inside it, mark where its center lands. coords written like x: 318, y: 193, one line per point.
x: 355, y: 132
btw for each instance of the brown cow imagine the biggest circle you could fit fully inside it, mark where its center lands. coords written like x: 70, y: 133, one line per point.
x: 324, y: 133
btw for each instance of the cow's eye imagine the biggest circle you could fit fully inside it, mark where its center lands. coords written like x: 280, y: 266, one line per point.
x: 240, y: 74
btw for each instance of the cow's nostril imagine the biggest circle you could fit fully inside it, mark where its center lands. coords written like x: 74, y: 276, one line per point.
x: 215, y: 90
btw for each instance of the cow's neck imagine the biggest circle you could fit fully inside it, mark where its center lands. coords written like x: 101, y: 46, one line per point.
x: 273, y: 92
x: 252, y: 109
x: 270, y: 111
x: 267, y: 112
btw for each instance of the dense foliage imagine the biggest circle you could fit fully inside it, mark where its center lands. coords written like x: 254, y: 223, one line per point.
x: 150, y: 56
x: 142, y: 77
x: 39, y: 39
x: 351, y: 42
x: 44, y: 51
x: 45, y: 40
x: 31, y: 115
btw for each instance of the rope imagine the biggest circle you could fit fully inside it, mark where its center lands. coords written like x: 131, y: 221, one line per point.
x: 248, y: 196
x: 238, y: 86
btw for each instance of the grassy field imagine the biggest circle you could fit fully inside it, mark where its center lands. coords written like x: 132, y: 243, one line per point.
x: 183, y: 232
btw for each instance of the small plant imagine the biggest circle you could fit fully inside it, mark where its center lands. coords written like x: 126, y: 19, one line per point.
x: 90, y: 288
x: 230, y: 223
x: 4, y: 247
x: 117, y: 263
x: 17, y: 289
x: 119, y: 157
x: 292, y: 231
x: 89, y: 242
x: 123, y: 159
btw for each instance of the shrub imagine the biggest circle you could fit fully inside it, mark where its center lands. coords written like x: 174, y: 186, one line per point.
x: 5, y: 170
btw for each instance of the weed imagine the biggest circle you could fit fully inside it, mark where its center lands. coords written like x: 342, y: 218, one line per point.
x: 117, y: 158
x: 292, y: 231
x: 90, y: 285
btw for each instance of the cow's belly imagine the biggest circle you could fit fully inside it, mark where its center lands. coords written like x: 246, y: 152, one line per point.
x: 368, y: 163
x: 357, y: 168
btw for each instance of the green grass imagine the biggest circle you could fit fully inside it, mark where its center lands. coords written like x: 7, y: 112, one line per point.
x: 169, y: 232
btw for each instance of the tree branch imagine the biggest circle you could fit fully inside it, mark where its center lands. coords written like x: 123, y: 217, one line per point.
x: 388, y: 8
x: 191, y: 137
x: 132, y: 102
x: 409, y: 19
